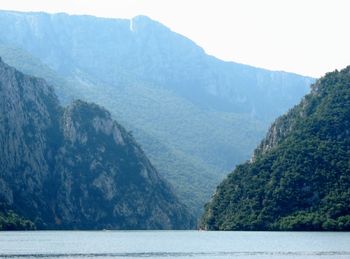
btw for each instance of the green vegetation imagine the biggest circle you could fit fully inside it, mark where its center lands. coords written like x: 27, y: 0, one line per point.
x: 12, y: 221
x: 299, y: 177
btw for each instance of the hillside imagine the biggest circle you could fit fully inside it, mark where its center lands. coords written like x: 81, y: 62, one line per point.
x: 194, y: 115
x: 299, y: 177
x: 74, y: 167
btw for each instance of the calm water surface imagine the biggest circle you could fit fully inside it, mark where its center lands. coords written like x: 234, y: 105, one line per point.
x: 173, y: 244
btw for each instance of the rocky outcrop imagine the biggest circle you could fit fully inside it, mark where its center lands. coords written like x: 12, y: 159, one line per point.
x: 74, y: 167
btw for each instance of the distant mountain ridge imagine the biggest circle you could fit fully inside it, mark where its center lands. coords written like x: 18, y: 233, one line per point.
x: 149, y: 52
x: 299, y: 176
x: 194, y: 115
x: 74, y: 167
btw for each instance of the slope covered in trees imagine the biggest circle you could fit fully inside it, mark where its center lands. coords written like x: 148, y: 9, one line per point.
x: 299, y: 177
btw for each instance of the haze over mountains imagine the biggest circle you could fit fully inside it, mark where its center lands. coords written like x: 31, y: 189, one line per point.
x: 74, y: 167
x: 194, y: 115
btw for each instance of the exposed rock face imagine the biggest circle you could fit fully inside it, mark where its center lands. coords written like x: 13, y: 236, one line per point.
x: 29, y: 124
x: 75, y: 167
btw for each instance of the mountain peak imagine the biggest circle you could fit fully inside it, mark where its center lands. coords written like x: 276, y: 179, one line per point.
x: 143, y: 18
x: 90, y: 109
x: 141, y: 22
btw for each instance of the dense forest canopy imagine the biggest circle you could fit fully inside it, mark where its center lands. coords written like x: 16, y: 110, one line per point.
x: 299, y: 177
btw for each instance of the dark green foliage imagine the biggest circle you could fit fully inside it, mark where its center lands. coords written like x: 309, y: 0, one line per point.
x: 12, y: 221
x: 299, y: 177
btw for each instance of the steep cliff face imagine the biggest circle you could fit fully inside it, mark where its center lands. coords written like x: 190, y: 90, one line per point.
x: 299, y: 177
x: 29, y: 123
x: 106, y: 177
x: 75, y: 167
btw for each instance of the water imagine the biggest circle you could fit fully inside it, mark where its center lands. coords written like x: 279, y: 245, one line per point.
x: 173, y: 244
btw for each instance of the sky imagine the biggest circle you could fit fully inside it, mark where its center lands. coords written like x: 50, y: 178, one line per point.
x: 308, y: 37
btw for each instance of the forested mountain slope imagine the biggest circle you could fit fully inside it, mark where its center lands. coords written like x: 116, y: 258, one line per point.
x: 299, y: 177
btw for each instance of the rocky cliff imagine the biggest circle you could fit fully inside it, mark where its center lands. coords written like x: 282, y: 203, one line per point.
x: 75, y: 167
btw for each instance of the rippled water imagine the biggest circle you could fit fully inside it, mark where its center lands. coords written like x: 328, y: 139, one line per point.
x: 174, y: 244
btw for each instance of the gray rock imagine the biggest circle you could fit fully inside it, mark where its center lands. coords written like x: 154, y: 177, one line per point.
x: 74, y: 167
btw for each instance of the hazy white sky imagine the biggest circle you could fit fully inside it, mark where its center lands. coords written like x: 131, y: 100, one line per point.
x: 308, y: 37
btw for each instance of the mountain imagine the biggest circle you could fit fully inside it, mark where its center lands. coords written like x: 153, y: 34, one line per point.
x: 299, y: 176
x: 74, y: 167
x: 194, y: 115
x: 27, y: 63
